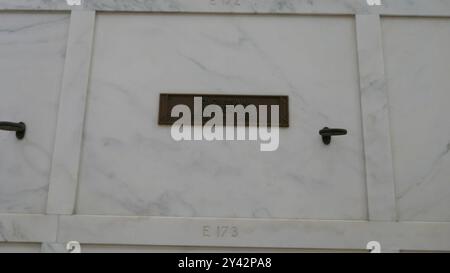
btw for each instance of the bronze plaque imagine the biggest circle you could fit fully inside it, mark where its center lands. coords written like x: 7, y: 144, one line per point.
x: 167, y: 101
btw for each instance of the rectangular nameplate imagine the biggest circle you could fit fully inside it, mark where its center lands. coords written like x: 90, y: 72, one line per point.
x: 168, y: 101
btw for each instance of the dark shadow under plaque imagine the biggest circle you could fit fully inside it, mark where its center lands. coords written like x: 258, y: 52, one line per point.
x: 167, y: 101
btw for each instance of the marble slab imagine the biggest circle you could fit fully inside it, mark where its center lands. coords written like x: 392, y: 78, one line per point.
x: 417, y: 67
x: 115, y: 248
x: 374, y: 107
x: 389, y: 7
x: 19, y: 232
x: 32, y: 54
x: 20, y: 247
x: 260, y: 233
x: 72, y: 106
x: 403, y: 92
x: 28, y: 228
x: 131, y: 166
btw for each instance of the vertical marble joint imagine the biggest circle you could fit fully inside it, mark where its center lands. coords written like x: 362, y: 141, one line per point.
x: 66, y: 155
x: 376, y: 128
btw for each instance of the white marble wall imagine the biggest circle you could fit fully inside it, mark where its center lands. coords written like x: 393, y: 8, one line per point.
x: 333, y: 7
x: 20, y: 248
x: 131, y: 166
x: 418, y: 68
x: 89, y: 94
x: 32, y: 53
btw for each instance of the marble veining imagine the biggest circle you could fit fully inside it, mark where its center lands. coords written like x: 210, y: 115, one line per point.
x: 417, y: 65
x: 72, y: 106
x: 27, y: 228
x: 131, y: 166
x: 261, y: 233
x: 389, y: 7
x: 32, y: 53
x: 374, y: 100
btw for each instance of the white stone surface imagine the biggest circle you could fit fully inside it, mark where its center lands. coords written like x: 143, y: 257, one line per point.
x: 374, y: 100
x: 27, y: 228
x: 417, y: 65
x: 114, y: 248
x: 66, y: 155
x: 132, y: 166
x: 32, y: 52
x: 388, y: 7
x: 260, y: 233
x: 20, y: 248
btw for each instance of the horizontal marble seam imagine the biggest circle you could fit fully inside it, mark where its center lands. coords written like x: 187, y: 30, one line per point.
x: 389, y: 7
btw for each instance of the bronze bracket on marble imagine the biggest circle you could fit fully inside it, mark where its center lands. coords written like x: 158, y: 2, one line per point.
x: 20, y: 128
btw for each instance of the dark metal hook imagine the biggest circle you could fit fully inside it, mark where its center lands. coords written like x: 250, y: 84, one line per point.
x: 326, y: 134
x: 20, y: 128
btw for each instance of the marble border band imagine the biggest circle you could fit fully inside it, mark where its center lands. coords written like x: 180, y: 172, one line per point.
x: 263, y: 233
x: 28, y: 228
x: 375, y: 119
x: 70, y: 124
x: 342, y: 7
